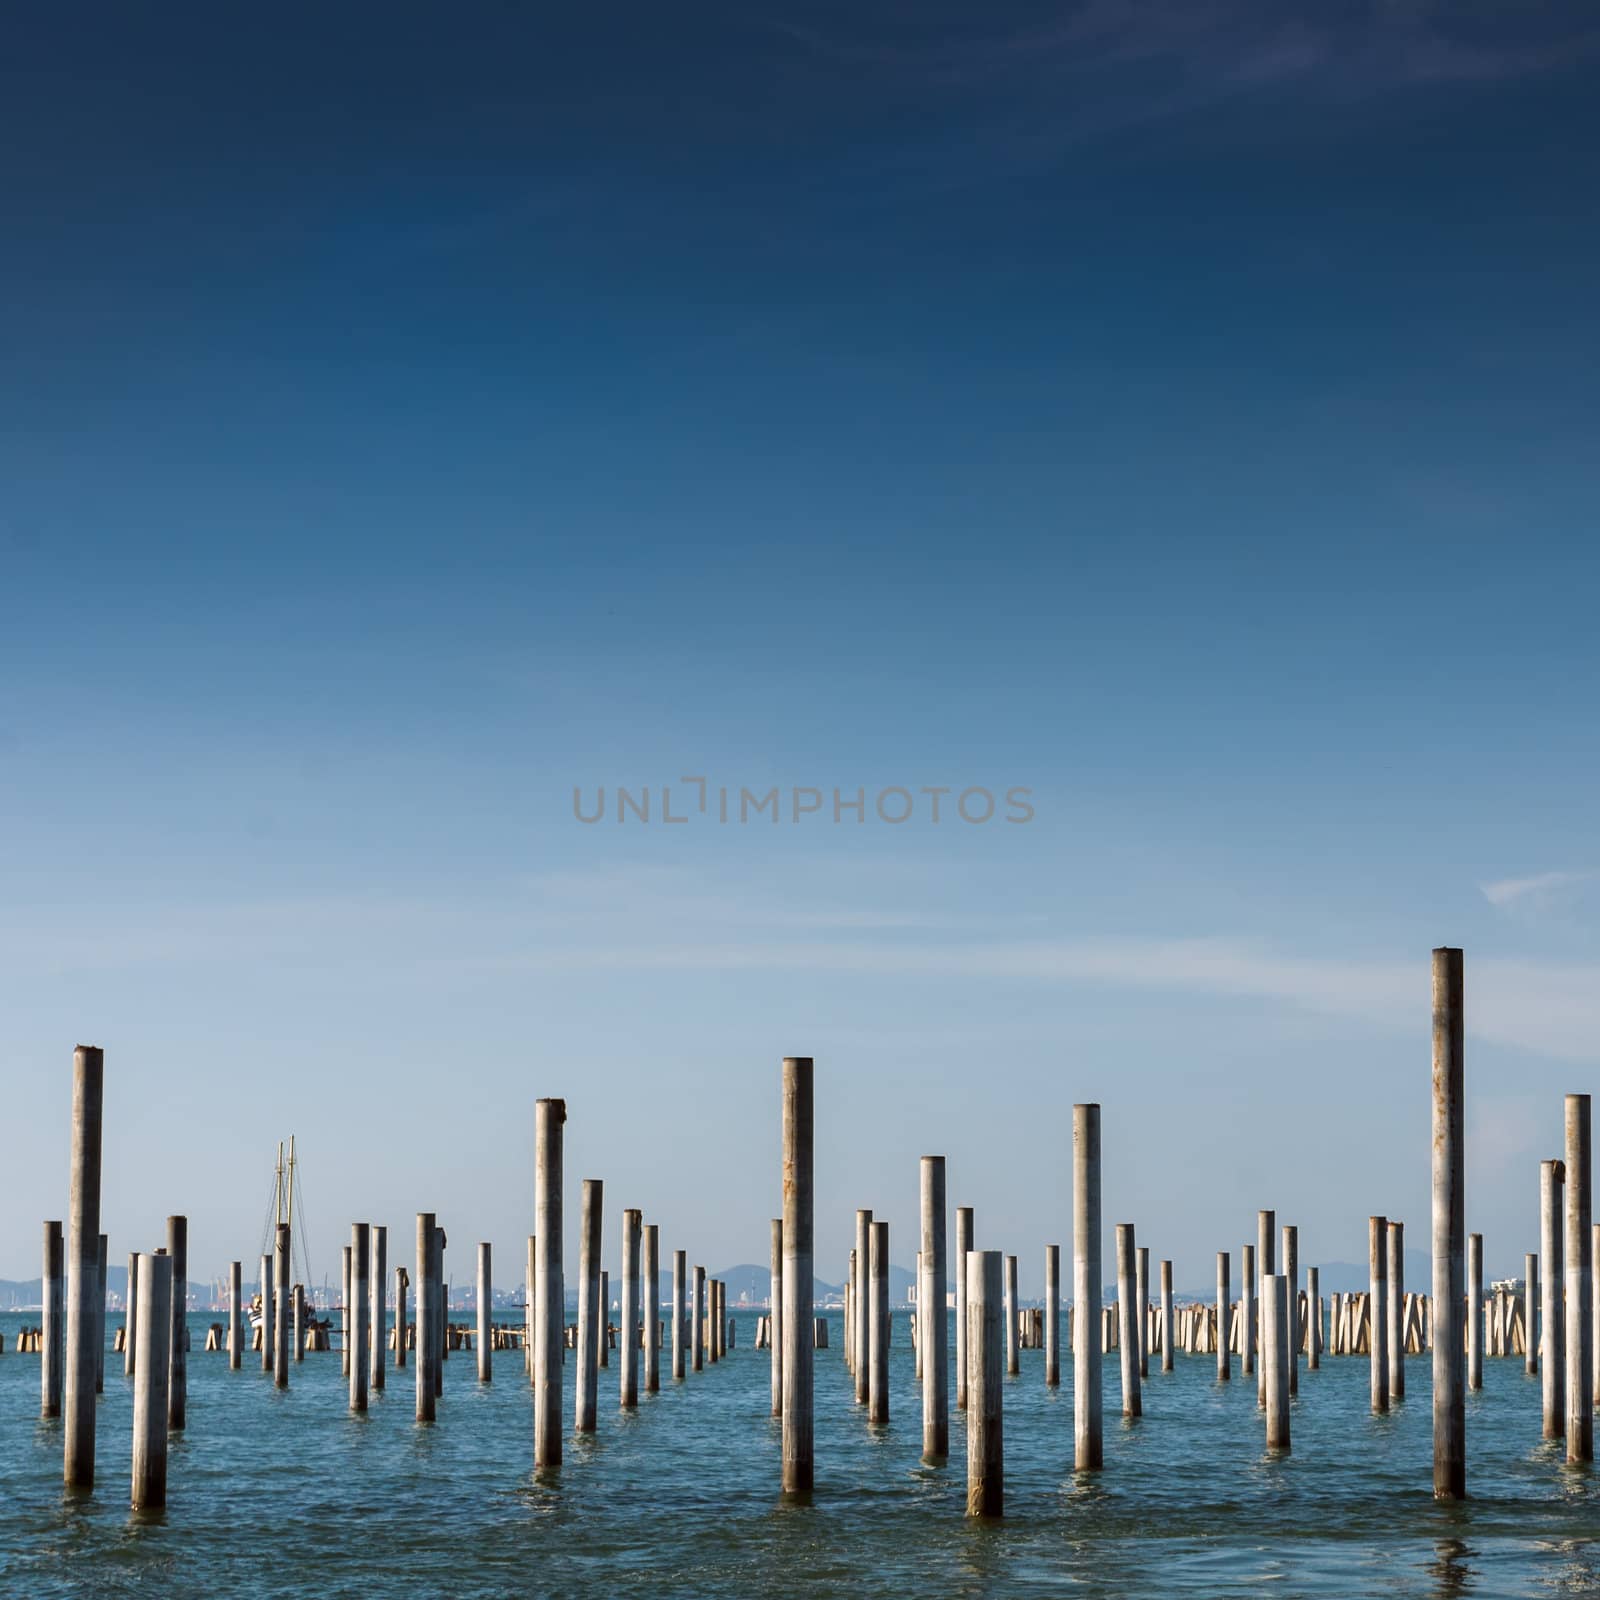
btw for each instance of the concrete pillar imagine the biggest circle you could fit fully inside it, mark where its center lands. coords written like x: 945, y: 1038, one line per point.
x: 402, y: 1316
x: 632, y: 1224
x: 441, y: 1300
x: 1594, y: 1320
x: 1313, y: 1319
x: 1474, y: 1310
x: 877, y: 1320
x: 860, y: 1298
x: 379, y: 1276
x: 1128, y: 1319
x: 100, y: 1314
x: 235, y: 1315
x: 1275, y: 1358
x: 680, y: 1312
x: 1052, y: 1315
x: 266, y: 1314
x: 298, y: 1295
x: 485, y: 1307
x: 963, y: 1246
x: 1247, y: 1310
x: 916, y: 1343
x: 1449, y: 1229
x: 604, y: 1331
x: 1088, y: 1448
x: 850, y: 1318
x: 53, y: 1298
x: 1166, y: 1316
x: 775, y: 1328
x: 933, y: 1326
x: 697, y: 1321
x: 151, y: 1375
x: 360, y: 1313
x: 1378, y: 1308
x: 178, y: 1343
x: 650, y: 1269
x: 344, y: 1311
x: 1224, y: 1306
x: 549, y: 1333
x: 1552, y: 1281
x: 1580, y: 1332
x: 1266, y: 1229
x: 83, y: 1263
x: 1289, y: 1265
x: 1530, y: 1313
x: 1141, y: 1295
x: 427, y: 1321
x: 130, y: 1313
x: 591, y: 1315
x: 280, y: 1306
x: 530, y: 1277
x: 798, y: 1267
x: 1396, y: 1252
x: 985, y: 1435
x: 1012, y: 1364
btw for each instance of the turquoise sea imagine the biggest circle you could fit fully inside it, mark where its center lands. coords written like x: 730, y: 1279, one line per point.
x: 287, y: 1493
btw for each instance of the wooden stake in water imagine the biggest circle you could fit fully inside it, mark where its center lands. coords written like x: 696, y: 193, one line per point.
x: 798, y: 1267
x: 1449, y: 1229
x: 265, y: 1286
x: 985, y: 1431
x: 402, y: 1319
x: 83, y: 1266
x: 1530, y: 1313
x: 697, y: 1332
x: 130, y: 1315
x: 1087, y: 1451
x: 632, y: 1224
x: 151, y: 1376
x: 178, y: 1342
x: 1313, y: 1320
x: 1247, y: 1311
x: 1266, y: 1228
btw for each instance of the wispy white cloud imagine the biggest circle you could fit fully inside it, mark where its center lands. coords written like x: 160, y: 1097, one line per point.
x: 1505, y: 890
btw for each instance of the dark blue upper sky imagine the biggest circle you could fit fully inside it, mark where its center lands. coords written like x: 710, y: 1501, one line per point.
x: 1186, y: 408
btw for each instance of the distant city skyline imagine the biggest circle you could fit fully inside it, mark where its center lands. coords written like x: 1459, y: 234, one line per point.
x: 1186, y: 419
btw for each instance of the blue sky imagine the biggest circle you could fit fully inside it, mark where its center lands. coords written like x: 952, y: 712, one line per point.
x: 1185, y: 412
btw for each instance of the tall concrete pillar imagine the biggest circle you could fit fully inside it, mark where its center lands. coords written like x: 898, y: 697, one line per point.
x: 632, y: 1224
x: 591, y: 1318
x: 360, y: 1313
x: 963, y: 1246
x: 1275, y: 1362
x: 280, y: 1307
x: 83, y: 1266
x: 775, y: 1332
x: 1378, y: 1273
x: 933, y: 1326
x: 798, y: 1269
x: 985, y: 1430
x: 151, y: 1375
x: 1396, y: 1250
x: 1289, y: 1239
x: 53, y: 1298
x: 1088, y: 1445
x: 1266, y: 1228
x: 379, y: 1277
x: 178, y: 1359
x: 1552, y: 1283
x: 427, y: 1321
x: 1128, y: 1319
x: 860, y: 1296
x: 1449, y: 1230
x: 1580, y: 1376
x: 878, y: 1323
x: 235, y: 1315
x: 650, y: 1269
x: 1052, y: 1315
x: 1224, y: 1358
x: 549, y: 1334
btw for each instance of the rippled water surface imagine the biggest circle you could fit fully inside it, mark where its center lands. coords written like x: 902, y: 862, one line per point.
x: 280, y: 1493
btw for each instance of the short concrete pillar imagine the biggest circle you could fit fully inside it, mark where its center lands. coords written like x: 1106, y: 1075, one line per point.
x: 130, y: 1315
x: 1052, y: 1315
x: 860, y: 1299
x: 1275, y: 1363
x: 1313, y: 1319
x: 235, y: 1315
x: 265, y: 1284
x: 549, y: 1331
x: 1013, y: 1364
x: 1396, y: 1335
x: 963, y: 1246
x: 427, y: 1321
x: 632, y: 1223
x: 650, y: 1271
x: 1224, y: 1306
x: 441, y: 1300
x: 604, y: 1331
x: 680, y: 1312
x: 1141, y: 1296
x: 1530, y: 1313
x: 775, y: 1326
x: 799, y: 1465
x: 1552, y: 1280
x: 697, y: 1321
x: 178, y: 1340
x: 1289, y: 1265
x: 100, y: 1314
x: 1266, y: 1232
x: 1128, y: 1319
x: 878, y: 1323
x: 591, y: 1315
x: 152, y: 1373
x: 83, y: 1266
x: 1166, y: 1316
x: 985, y: 1431
x: 298, y: 1295
x: 1449, y: 1229
x: 280, y: 1306
x: 1247, y: 1310
x: 1088, y: 1447
x: 379, y: 1278
x: 53, y: 1332
x: 402, y: 1316
x: 530, y: 1277
x: 1474, y: 1310
x: 933, y: 1327
x: 1580, y: 1333
x: 1378, y: 1309
x: 485, y: 1308
x: 360, y: 1313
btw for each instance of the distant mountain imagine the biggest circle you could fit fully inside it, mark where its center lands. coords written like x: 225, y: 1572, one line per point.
x: 17, y: 1294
